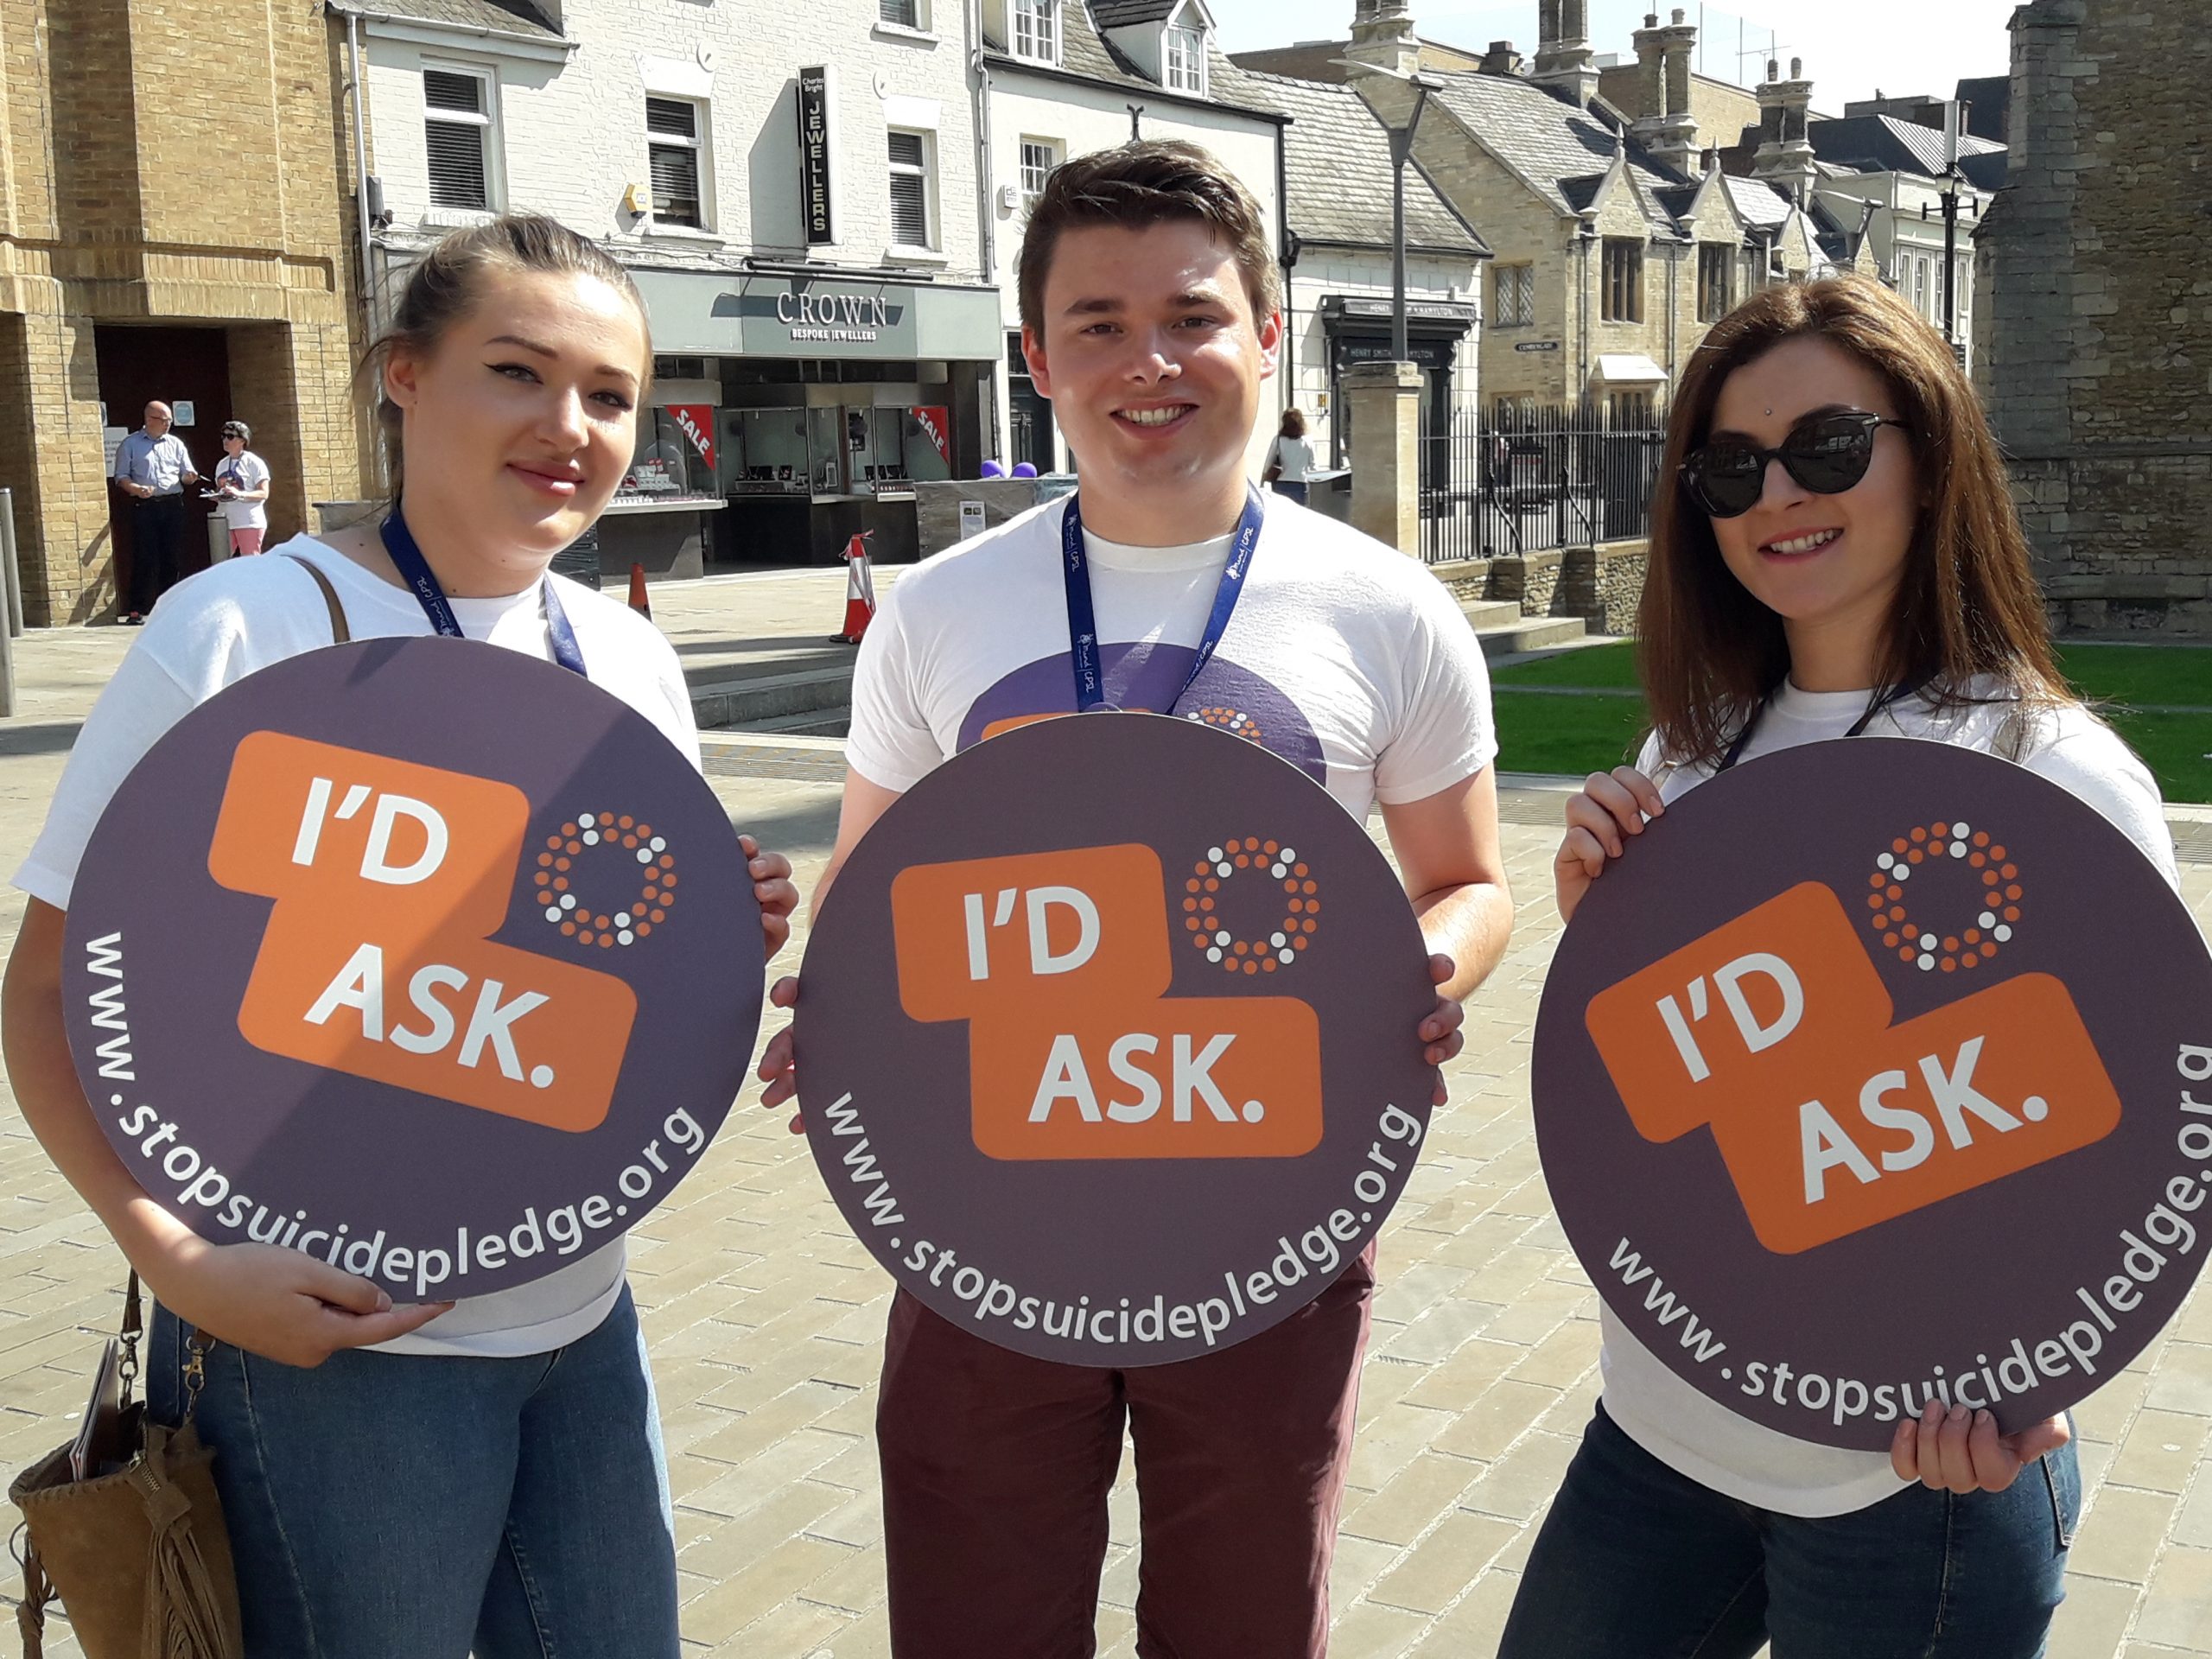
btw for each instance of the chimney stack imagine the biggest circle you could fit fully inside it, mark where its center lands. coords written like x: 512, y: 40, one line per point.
x: 1383, y: 35
x: 1785, y: 151
x: 1564, y: 59
x: 1501, y: 59
x: 1664, y: 126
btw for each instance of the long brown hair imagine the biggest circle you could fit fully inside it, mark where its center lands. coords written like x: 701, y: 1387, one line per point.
x: 1967, y: 605
x: 447, y: 282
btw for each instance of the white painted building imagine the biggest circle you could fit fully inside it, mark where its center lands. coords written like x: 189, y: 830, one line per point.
x: 1066, y: 78
x: 812, y: 255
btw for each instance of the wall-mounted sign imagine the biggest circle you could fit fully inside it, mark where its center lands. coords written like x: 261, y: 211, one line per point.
x: 971, y: 519
x: 1123, y: 1071
x: 1913, y: 1103
x: 814, y: 156
x: 826, y: 316
x: 360, y: 964
x: 1430, y: 354
x: 182, y: 412
x: 1535, y: 345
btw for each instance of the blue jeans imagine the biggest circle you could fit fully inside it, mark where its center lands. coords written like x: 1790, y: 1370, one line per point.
x: 1294, y: 488
x: 1636, y: 1561
x: 417, y: 1506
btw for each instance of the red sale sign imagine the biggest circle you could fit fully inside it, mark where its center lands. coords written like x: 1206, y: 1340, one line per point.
x: 697, y: 421
x: 932, y: 419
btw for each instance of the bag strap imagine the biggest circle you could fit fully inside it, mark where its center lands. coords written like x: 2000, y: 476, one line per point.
x: 340, y: 633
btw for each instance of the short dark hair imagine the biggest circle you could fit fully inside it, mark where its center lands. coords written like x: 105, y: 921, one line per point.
x: 1152, y: 181
x: 238, y: 429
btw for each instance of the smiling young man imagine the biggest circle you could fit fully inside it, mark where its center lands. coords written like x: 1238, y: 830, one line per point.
x: 1151, y: 316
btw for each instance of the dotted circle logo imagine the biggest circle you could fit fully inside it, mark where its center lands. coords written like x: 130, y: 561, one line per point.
x: 1915, y: 943
x: 1234, y: 720
x: 1210, y: 933
x: 595, y: 836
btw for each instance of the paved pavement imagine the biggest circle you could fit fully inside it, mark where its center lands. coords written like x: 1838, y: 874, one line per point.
x: 764, y: 1318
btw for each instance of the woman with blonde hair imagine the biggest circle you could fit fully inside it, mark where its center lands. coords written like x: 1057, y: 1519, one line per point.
x: 429, y: 1481
x: 1835, y: 551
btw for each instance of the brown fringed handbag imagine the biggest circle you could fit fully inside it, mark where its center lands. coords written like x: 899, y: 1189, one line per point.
x: 123, y: 1526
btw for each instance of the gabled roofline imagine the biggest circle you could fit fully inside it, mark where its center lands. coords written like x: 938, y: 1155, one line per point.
x: 1003, y: 61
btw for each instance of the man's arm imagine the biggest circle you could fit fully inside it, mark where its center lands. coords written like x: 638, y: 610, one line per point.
x: 1454, y: 873
x: 121, y: 472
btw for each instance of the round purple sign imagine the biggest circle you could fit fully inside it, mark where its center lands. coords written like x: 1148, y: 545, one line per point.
x: 1876, y: 1071
x: 1107, y: 1045
x: 426, y: 957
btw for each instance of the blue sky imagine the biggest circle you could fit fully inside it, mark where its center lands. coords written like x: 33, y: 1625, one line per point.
x: 1850, y: 50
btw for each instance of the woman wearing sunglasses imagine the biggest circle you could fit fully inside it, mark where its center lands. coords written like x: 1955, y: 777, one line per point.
x: 1834, y: 552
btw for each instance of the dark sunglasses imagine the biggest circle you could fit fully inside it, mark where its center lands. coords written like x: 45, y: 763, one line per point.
x: 1826, y: 454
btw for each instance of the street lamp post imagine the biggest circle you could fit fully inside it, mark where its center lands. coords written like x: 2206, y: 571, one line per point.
x: 1402, y: 149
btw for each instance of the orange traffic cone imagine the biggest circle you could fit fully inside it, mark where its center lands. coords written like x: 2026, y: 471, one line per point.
x: 860, y: 591
x: 639, y: 602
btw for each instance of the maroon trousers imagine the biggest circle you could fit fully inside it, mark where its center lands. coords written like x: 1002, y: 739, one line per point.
x: 996, y: 1467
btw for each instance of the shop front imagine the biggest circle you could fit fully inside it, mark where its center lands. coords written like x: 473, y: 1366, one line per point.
x: 792, y: 411
x: 1358, y: 330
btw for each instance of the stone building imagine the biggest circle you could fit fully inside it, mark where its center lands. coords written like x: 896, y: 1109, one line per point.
x: 2095, y: 325
x: 176, y: 223
x: 1617, y: 239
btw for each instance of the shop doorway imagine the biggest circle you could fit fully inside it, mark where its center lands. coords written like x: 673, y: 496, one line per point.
x: 1028, y: 413
x: 188, y: 369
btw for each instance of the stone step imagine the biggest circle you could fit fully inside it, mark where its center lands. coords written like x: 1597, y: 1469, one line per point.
x: 1489, y: 613
x: 1530, y: 633
x: 749, y: 700
x: 816, y: 702
x: 804, y: 660
x: 815, y: 722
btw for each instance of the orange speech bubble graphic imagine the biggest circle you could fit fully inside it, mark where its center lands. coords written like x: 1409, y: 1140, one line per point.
x: 389, y: 878
x: 1774, y: 1030
x: 1060, y: 965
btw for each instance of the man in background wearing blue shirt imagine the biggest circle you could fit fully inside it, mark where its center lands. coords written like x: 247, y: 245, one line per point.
x: 153, y: 468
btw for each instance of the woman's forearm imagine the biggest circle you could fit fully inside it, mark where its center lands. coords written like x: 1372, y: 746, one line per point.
x: 52, y: 1101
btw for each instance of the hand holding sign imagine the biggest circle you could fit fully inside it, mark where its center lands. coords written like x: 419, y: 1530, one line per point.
x: 1893, y: 1110
x: 1104, y: 1083
x: 361, y: 968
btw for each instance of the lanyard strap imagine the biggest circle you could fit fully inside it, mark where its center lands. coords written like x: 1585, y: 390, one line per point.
x: 1882, y: 700
x: 1083, y: 621
x: 422, y: 581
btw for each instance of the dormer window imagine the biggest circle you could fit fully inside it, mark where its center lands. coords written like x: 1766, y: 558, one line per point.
x: 1183, y: 59
x: 1037, y: 30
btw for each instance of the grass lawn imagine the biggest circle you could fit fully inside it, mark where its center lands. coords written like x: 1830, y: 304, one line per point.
x: 2140, y: 688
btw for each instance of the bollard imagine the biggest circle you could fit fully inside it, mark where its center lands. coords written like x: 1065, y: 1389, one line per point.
x: 13, y: 574
x: 14, y: 607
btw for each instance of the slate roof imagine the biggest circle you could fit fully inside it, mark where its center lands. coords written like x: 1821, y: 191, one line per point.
x: 1120, y: 14
x: 1561, y: 150
x: 1757, y: 201
x: 1085, y: 52
x: 1883, y: 143
x: 513, y: 17
x: 1336, y: 171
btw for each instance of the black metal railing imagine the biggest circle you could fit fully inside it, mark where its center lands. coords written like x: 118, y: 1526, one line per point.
x: 1502, y: 482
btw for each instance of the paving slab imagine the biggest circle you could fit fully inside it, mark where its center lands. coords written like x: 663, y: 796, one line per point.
x: 764, y: 1319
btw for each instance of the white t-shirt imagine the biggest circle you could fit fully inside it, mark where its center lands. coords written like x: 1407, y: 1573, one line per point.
x: 1699, y: 1437
x: 1295, y: 458
x: 215, y: 628
x: 244, y: 472
x: 1350, y: 661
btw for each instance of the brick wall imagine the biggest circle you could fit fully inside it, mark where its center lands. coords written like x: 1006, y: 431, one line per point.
x: 180, y: 160
x: 2094, y: 338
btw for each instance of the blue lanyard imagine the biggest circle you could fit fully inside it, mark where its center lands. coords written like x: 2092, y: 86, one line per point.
x: 415, y: 571
x: 1083, y: 621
